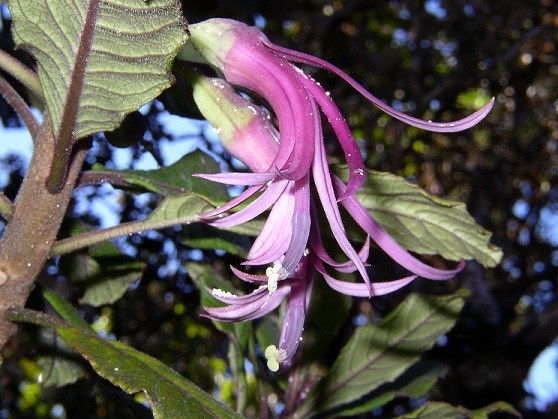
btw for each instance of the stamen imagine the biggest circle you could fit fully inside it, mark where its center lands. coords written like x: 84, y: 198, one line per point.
x: 221, y: 293
x: 274, y: 274
x: 274, y: 357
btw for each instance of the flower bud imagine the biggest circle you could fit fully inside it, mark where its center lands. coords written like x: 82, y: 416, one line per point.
x: 243, y: 127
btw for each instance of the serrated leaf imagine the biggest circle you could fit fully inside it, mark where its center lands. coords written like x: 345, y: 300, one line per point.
x: 379, y: 353
x: 58, y: 372
x: 424, y: 223
x: 176, y: 178
x: 170, y: 395
x: 436, y: 410
x: 98, y: 59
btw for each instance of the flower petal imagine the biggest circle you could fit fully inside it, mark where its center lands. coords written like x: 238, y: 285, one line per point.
x: 238, y: 178
x: 231, y: 204
x: 357, y: 172
x: 388, y: 243
x: 249, y: 277
x: 255, y: 208
x: 322, y: 180
x: 360, y: 289
x: 232, y: 299
x: 452, y: 126
x: 300, y: 224
x: 275, y: 236
x: 253, y: 310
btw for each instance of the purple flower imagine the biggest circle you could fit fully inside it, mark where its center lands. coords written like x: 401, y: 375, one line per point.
x: 285, y: 162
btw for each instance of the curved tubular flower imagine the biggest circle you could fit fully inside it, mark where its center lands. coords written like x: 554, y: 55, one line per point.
x: 285, y: 163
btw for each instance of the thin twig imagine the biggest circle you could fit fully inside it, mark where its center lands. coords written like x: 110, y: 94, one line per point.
x: 19, y: 105
x: 22, y: 73
x: 6, y: 207
x: 90, y: 238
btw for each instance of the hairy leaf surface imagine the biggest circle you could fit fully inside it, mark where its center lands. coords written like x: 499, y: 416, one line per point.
x: 98, y: 59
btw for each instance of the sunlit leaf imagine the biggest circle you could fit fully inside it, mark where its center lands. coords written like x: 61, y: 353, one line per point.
x: 436, y: 410
x: 170, y: 395
x: 101, y: 59
x: 175, y: 179
x: 379, y: 353
x: 424, y: 223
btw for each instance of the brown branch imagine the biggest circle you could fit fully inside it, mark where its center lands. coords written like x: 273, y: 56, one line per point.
x: 31, y: 233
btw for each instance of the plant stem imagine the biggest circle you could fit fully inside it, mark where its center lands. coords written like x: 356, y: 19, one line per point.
x: 22, y: 73
x: 31, y: 232
x: 19, y: 105
x: 6, y: 207
x: 90, y: 238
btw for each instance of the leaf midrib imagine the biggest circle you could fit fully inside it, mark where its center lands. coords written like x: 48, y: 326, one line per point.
x: 367, y: 364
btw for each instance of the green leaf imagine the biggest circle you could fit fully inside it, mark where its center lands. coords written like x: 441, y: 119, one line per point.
x: 413, y: 383
x: 424, y: 223
x: 203, y: 236
x: 436, y: 410
x: 106, y: 273
x: 379, y: 353
x: 170, y: 395
x: 113, y: 284
x: 175, y: 179
x: 101, y: 59
x: 182, y: 209
x: 58, y: 372
x: 67, y: 311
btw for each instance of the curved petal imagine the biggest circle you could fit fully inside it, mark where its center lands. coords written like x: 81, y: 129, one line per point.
x: 255, y: 208
x: 388, y: 243
x: 274, y: 238
x: 249, y: 277
x: 360, y: 289
x: 452, y: 126
x: 233, y: 178
x: 357, y: 172
x: 316, y: 244
x: 258, y: 308
x: 300, y: 224
x: 322, y: 180
x: 295, y: 315
x: 231, y: 204
x: 250, y: 65
x: 232, y: 299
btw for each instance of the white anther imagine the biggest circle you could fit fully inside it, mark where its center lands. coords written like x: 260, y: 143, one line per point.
x: 274, y: 274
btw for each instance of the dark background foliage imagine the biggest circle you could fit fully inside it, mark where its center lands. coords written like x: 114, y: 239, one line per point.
x: 427, y: 58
